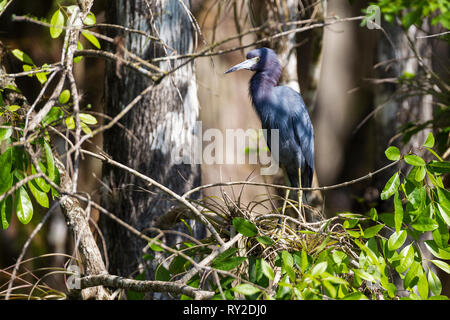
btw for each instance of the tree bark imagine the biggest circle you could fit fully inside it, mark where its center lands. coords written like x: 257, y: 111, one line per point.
x: 161, y: 125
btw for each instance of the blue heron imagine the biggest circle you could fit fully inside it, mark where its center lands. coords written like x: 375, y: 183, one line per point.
x: 282, y: 108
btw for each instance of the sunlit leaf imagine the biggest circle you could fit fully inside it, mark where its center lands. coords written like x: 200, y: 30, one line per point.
x: 372, y: 231
x: 429, y: 142
x: 57, y: 22
x: 442, y: 265
x: 435, y: 283
x: 91, y: 38
x: 5, y: 133
x: 64, y: 97
x: 425, y: 224
x: 87, y: 118
x: 422, y: 286
x: 6, y: 177
x: 22, y: 56
x: 13, y: 108
x: 267, y: 270
x: 90, y: 19
x: 246, y: 289
x: 414, y: 160
x: 396, y: 240
x: 40, y: 196
x: 391, y: 187
x: 23, y: 205
x: 392, y: 153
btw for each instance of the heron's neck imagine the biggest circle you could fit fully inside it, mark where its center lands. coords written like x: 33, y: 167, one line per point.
x: 262, y: 83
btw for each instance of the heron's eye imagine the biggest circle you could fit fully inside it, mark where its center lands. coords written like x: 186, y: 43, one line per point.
x: 257, y: 59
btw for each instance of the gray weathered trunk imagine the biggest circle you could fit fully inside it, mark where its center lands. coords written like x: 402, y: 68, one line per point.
x: 160, y: 124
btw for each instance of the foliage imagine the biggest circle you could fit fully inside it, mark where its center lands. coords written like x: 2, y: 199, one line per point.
x: 352, y: 257
x: 414, y: 11
x: 16, y: 164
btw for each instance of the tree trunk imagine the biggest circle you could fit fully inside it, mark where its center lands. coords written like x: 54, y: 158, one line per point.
x: 160, y: 125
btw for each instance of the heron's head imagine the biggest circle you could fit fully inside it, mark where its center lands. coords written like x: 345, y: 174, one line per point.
x: 258, y: 60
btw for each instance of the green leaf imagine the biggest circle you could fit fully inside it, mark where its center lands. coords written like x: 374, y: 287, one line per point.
x: 407, y: 258
x: 52, y: 116
x: 70, y: 123
x: 24, y: 207
x: 3, y: 5
x: 414, y: 160
x: 64, y: 97
x: 90, y: 19
x: 41, y: 183
x: 396, y: 240
x: 425, y: 224
x: 6, y: 211
x: 85, y: 128
x: 439, y: 166
x: 87, y: 118
x: 5, y: 133
x: 372, y: 231
x: 162, y: 274
x: 287, y: 258
x: 348, y: 224
x: 304, y: 263
x: 319, y: 268
x: 422, y: 286
x: 441, y: 235
x: 22, y: 56
x: 436, y: 251
x: 79, y: 58
x: 354, y: 234
x: 245, y: 227
x: 287, y: 264
x: 420, y: 173
x: 13, y: 108
x: 42, y: 77
x: 246, y: 289
x: 57, y: 22
x: 440, y: 297
x: 355, y: 296
x: 154, y: 246
x: 435, y: 283
x: 391, y: 187
x: 411, y: 18
x: 27, y: 68
x: 267, y: 270
x: 178, y: 265
x: 444, y: 205
x: 6, y: 177
x: 373, y: 214
x: 265, y: 240
x: 51, y: 168
x: 228, y: 264
x: 429, y: 142
x: 392, y: 153
x: 441, y: 265
x: 338, y: 256
x: 40, y: 196
x: 398, y: 212
x: 412, y: 275
x: 91, y: 38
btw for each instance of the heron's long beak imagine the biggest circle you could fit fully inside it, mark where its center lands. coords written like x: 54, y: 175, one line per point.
x: 247, y: 64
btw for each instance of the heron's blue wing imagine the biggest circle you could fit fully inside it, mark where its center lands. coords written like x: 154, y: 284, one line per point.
x: 301, y: 124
